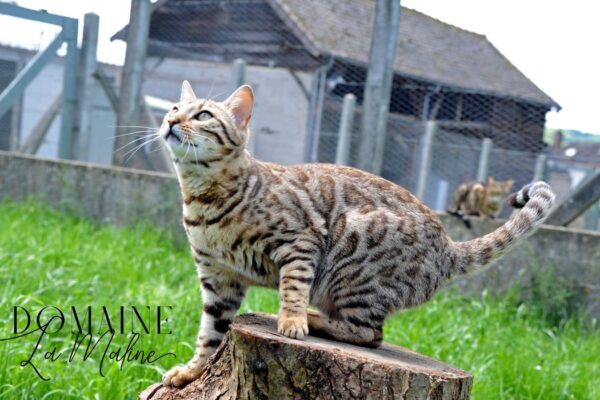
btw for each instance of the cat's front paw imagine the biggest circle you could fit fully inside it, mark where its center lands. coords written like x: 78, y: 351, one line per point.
x: 294, y: 327
x: 180, y: 375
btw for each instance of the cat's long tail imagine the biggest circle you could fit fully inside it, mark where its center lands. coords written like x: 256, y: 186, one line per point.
x: 535, y: 201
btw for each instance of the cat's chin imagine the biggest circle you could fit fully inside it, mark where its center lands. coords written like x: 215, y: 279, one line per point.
x: 173, y: 137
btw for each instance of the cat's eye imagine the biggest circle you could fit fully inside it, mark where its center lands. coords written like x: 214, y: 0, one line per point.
x: 175, y: 109
x: 204, y: 116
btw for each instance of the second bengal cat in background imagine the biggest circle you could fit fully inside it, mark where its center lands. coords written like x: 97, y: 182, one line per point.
x: 478, y: 199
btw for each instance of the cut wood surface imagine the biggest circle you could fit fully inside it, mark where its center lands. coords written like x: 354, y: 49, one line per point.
x: 255, y: 362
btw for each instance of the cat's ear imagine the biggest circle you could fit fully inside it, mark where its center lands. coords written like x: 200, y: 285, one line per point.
x: 187, y: 94
x: 508, y: 184
x: 241, y: 103
x: 490, y: 180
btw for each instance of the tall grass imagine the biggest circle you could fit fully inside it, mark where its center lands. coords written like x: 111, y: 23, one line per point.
x: 52, y: 258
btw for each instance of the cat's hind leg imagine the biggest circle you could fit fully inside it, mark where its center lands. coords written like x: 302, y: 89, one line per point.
x: 351, y: 315
x: 349, y: 328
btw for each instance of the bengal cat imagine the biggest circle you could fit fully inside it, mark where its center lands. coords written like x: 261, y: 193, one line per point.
x: 478, y: 199
x: 351, y: 244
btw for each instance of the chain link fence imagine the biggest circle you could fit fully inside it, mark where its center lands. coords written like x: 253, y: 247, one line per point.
x: 475, y: 136
x: 439, y: 135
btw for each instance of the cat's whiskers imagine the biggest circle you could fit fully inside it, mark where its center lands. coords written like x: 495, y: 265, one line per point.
x: 131, y: 126
x: 148, y: 137
x: 218, y: 94
x: 196, y: 155
x: 212, y: 86
x: 187, y: 141
x: 132, y: 133
x: 136, y: 149
x: 139, y: 146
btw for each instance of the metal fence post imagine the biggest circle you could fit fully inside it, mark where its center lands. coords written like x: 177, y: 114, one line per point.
x: 130, y: 97
x: 379, y: 85
x: 345, y: 133
x: 484, y: 157
x: 425, y: 155
x: 239, y: 73
x: 89, y: 46
x: 316, y: 114
x: 69, y: 105
x: 540, y: 167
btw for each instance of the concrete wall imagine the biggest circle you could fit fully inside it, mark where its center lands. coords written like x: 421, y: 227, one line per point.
x: 123, y: 196
x: 109, y: 194
x: 572, y: 255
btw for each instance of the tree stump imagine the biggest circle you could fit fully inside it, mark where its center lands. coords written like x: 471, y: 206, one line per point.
x: 255, y: 362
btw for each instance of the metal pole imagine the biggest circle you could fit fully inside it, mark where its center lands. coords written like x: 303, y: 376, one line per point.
x: 17, y: 86
x: 239, y: 73
x: 132, y: 75
x: 345, y: 133
x: 89, y: 47
x: 315, y: 112
x: 540, y: 166
x: 309, y: 137
x: 69, y: 105
x: 484, y: 157
x: 425, y: 157
x: 314, y: 149
x: 379, y: 84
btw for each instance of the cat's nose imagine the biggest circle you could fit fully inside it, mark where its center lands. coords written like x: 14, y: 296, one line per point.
x: 172, y: 121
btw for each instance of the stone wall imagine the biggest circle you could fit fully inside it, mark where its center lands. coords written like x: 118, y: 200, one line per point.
x: 124, y: 196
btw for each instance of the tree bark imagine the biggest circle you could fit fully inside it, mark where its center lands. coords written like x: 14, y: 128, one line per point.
x: 255, y: 362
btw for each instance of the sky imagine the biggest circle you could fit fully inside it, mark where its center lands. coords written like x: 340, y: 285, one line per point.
x: 555, y: 43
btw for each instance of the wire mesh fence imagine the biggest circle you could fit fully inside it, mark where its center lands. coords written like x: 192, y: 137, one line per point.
x: 462, y: 122
x: 440, y: 132
x: 476, y: 134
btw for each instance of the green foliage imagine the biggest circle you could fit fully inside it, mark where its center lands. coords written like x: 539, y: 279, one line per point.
x: 555, y: 298
x: 512, y: 351
x: 46, y: 257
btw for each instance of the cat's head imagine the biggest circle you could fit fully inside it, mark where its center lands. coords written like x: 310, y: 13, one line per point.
x: 496, y: 191
x: 200, y: 132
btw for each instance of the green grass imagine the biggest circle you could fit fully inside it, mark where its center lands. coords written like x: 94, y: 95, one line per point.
x: 51, y: 258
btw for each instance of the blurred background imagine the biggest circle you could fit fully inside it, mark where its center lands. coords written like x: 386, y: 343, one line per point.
x: 429, y: 94
x: 420, y: 99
